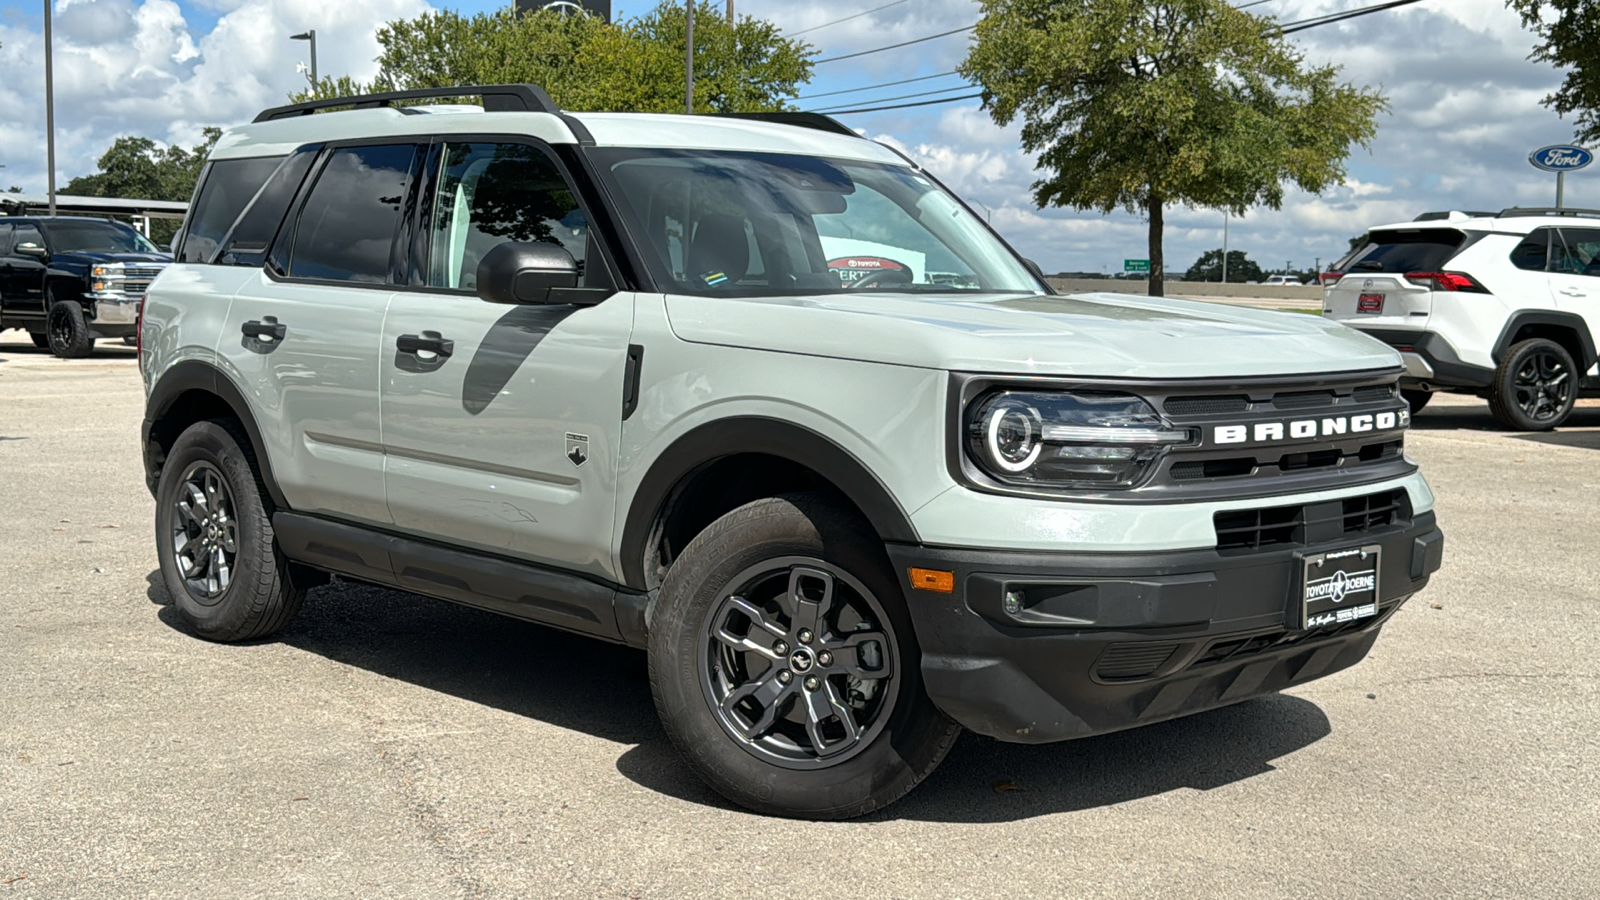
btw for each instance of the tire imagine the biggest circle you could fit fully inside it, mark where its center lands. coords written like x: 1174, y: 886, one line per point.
x: 40, y: 339
x: 1417, y: 399
x: 67, y: 331
x: 762, y: 555
x: 1534, y: 387
x: 251, y: 595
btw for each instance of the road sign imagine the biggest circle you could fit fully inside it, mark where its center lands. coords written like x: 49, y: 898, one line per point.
x: 1136, y: 265
x: 1561, y: 158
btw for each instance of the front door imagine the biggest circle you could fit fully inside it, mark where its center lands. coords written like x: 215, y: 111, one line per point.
x: 304, y: 335
x: 500, y: 422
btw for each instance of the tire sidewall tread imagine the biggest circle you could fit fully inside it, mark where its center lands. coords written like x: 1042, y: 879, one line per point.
x: 1503, y: 393
x: 82, y: 342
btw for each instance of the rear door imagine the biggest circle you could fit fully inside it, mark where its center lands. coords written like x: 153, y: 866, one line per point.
x: 303, y: 333
x: 1575, y: 274
x: 503, y: 437
x: 1374, y: 292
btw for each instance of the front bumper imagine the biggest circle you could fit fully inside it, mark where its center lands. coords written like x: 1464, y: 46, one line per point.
x: 113, y: 310
x: 1125, y: 639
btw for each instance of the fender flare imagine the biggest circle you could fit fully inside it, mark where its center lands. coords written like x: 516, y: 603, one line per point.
x: 1558, y: 319
x: 195, y: 375
x: 754, y: 434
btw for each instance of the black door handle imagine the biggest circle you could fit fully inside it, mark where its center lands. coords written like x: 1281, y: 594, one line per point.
x: 426, y: 342
x: 268, y: 328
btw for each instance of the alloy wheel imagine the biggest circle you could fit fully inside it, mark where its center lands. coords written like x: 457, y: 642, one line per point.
x: 799, y: 663
x: 1544, y: 386
x: 205, y: 535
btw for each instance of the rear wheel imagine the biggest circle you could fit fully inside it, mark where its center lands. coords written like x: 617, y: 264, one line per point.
x: 785, y: 668
x: 1535, y: 386
x: 215, y: 541
x: 67, y: 330
x: 1417, y: 399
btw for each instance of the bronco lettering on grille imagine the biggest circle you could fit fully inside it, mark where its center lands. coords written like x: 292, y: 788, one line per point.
x: 1307, y: 429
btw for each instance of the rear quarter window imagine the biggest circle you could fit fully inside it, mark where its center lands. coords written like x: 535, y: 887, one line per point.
x: 1420, y: 250
x: 228, y: 186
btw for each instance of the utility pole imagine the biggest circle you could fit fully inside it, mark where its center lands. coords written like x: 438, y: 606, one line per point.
x: 730, y: 12
x: 310, y: 36
x: 49, y: 115
x: 1225, y: 247
x: 688, y: 57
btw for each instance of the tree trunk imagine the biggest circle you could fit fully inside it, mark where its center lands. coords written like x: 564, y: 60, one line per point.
x: 1158, y: 267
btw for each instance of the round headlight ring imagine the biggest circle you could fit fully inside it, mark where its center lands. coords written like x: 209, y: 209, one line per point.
x: 1014, y: 436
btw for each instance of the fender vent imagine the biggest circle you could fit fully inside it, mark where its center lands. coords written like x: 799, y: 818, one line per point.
x: 1121, y: 662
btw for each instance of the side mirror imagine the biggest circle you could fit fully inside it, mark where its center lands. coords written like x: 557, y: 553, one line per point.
x: 518, y: 272
x: 31, y: 248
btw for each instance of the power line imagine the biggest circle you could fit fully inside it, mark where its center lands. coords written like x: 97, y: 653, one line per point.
x: 848, y: 18
x: 1345, y: 16
x: 876, y: 86
x: 841, y: 112
x: 959, y: 87
x: 896, y: 46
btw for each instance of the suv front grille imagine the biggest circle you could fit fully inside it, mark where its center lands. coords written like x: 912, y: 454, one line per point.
x: 1246, y: 530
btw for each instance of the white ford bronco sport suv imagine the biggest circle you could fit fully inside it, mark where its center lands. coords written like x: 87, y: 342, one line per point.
x: 1501, y: 306
x: 759, y: 396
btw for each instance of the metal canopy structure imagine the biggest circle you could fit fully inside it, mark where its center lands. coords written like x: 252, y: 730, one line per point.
x: 140, y: 211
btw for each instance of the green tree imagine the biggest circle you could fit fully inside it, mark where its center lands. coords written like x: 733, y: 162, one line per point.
x: 1141, y: 104
x: 137, y: 168
x: 634, y: 65
x: 1241, y: 269
x: 1569, y: 34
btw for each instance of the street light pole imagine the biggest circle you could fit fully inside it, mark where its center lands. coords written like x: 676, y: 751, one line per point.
x: 730, y: 12
x: 310, y: 36
x: 988, y: 214
x: 1224, y: 247
x: 688, y: 58
x: 49, y: 115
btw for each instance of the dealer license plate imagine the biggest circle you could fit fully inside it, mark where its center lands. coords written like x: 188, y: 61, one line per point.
x: 1369, y: 303
x: 1339, y: 586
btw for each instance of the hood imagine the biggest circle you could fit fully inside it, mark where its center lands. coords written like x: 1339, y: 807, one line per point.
x: 1106, y: 335
x: 98, y: 258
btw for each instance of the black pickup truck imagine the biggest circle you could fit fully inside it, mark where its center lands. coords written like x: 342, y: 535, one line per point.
x: 69, y: 280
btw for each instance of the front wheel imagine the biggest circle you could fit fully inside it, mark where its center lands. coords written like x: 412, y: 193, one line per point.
x: 67, y: 330
x: 40, y: 339
x: 785, y: 668
x: 1535, y: 386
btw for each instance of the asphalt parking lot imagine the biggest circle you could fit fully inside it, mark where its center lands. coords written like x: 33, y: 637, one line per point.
x: 391, y: 746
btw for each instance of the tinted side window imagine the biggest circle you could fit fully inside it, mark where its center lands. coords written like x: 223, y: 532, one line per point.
x: 487, y: 194
x: 1423, y: 250
x: 346, y: 229
x: 252, y: 235
x: 229, y: 185
x: 5, y: 239
x: 1576, y: 252
x: 1533, y: 251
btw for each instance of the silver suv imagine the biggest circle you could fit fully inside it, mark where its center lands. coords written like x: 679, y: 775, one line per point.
x: 761, y: 397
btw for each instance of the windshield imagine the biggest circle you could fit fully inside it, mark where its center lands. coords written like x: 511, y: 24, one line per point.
x: 755, y: 224
x: 97, y: 237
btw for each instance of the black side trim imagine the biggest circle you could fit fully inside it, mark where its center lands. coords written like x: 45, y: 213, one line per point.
x: 1448, y: 369
x: 1571, y: 321
x: 514, y: 588
x: 193, y: 375
x: 755, y: 434
x: 496, y: 98
x: 630, y: 380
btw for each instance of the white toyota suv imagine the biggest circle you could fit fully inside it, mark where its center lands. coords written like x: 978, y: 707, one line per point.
x: 1501, y: 306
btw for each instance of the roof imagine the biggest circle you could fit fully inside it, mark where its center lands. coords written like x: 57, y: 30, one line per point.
x: 71, y: 203
x: 1515, y: 220
x: 527, y: 110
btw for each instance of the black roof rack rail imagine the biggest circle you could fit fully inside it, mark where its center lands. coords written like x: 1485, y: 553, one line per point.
x: 816, y: 121
x: 1516, y: 211
x: 496, y: 98
x: 1444, y: 215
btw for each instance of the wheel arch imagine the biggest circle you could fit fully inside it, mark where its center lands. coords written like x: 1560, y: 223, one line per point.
x: 747, y: 458
x: 194, y: 391
x: 1570, y: 330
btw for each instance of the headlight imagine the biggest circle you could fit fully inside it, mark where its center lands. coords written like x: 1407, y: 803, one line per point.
x: 1071, y: 440
x: 110, y: 270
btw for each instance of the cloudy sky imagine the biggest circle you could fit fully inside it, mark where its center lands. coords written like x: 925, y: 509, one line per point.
x: 1465, y: 101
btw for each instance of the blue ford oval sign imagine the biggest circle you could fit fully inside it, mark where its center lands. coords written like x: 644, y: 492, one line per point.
x: 1561, y: 158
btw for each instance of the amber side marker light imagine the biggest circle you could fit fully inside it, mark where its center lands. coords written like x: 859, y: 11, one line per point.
x: 933, y: 580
